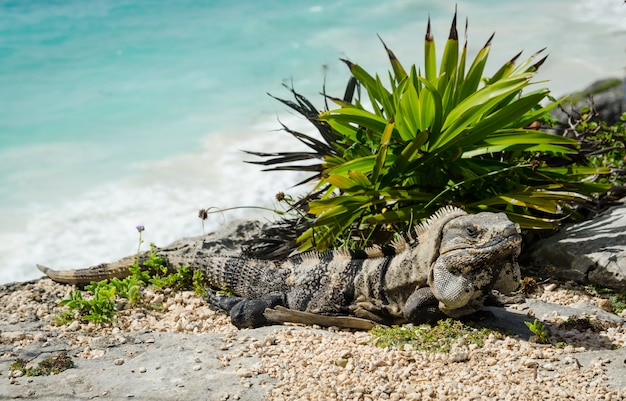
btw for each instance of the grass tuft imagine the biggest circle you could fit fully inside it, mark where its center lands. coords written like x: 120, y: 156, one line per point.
x: 437, y: 338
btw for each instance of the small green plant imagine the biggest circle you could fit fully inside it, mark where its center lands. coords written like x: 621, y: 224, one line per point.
x: 603, y: 144
x: 50, y: 366
x: 100, y: 306
x: 128, y: 288
x: 180, y: 279
x: 437, y: 338
x: 154, y: 272
x: 198, y: 284
x: 538, y: 329
x: 616, y: 299
x: 225, y: 291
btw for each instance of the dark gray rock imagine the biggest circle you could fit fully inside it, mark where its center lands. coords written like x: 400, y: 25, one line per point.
x: 589, y: 252
x: 583, y: 309
x: 608, y: 97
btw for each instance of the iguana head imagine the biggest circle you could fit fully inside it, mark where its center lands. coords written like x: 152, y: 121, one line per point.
x: 476, y: 253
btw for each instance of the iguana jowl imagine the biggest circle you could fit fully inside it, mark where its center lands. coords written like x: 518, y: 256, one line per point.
x: 454, y: 263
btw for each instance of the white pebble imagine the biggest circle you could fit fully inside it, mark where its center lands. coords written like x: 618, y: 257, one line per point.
x: 550, y: 287
x: 74, y: 326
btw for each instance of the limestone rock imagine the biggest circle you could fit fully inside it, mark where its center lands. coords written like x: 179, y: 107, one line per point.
x: 592, y: 251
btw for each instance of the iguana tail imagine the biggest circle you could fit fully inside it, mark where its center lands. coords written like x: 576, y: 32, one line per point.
x: 119, y: 269
x: 244, y: 277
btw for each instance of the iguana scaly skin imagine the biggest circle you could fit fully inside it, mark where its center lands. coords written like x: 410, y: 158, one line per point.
x: 454, y: 263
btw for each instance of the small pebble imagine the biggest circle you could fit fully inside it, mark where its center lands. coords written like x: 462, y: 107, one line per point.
x: 243, y: 372
x: 550, y: 287
x: 74, y: 326
x: 491, y: 361
x: 341, y: 362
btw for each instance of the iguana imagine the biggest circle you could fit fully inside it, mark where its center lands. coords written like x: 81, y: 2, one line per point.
x: 452, y: 265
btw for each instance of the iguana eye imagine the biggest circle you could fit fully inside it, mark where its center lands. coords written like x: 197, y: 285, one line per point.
x: 471, y: 231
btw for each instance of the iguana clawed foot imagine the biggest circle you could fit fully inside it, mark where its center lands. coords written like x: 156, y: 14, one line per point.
x: 244, y: 313
x: 422, y: 307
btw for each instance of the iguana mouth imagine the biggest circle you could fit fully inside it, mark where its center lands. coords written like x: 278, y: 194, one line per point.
x: 511, y: 235
x: 503, y: 245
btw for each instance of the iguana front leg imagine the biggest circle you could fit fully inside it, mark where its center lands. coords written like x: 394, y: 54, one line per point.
x: 422, y: 307
x: 245, y: 313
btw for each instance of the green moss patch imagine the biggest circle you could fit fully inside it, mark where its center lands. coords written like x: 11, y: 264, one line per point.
x: 50, y: 366
x: 437, y: 338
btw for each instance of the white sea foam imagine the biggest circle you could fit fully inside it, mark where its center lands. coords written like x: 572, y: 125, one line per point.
x: 164, y: 196
x: 606, y: 13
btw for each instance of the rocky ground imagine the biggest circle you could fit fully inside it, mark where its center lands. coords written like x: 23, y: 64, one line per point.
x: 187, y: 351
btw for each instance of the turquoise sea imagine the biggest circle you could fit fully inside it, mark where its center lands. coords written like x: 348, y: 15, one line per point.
x: 117, y: 113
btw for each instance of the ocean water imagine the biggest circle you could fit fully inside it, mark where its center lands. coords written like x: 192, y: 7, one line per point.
x: 119, y: 113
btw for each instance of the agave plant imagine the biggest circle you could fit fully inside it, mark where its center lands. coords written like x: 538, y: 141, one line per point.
x: 433, y: 137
